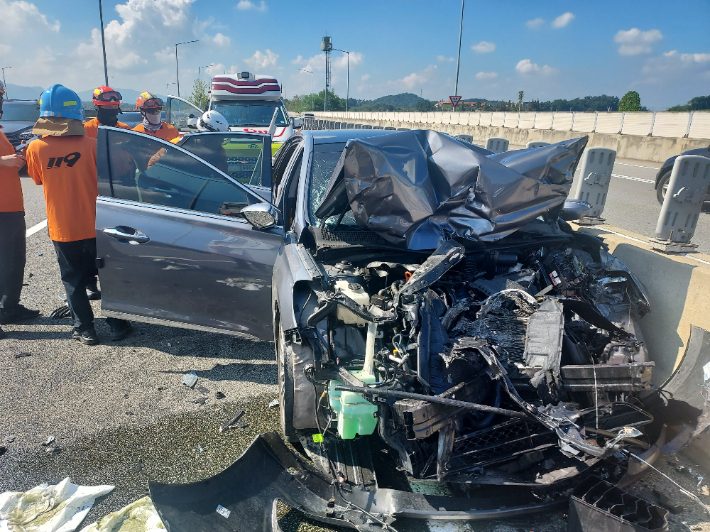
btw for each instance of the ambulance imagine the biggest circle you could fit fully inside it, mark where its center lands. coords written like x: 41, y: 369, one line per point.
x: 252, y: 104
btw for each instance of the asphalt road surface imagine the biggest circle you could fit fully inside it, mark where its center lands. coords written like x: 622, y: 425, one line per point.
x: 119, y: 413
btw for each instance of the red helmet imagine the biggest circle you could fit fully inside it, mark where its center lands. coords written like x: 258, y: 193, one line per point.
x: 148, y: 100
x: 106, y: 96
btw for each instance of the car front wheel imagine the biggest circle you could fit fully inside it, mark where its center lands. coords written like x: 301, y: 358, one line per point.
x: 284, y: 363
x: 662, y: 187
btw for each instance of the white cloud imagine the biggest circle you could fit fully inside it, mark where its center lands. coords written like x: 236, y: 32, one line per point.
x: 414, y: 80
x: 526, y: 67
x: 672, y: 65
x: 5, y: 48
x: 535, y: 23
x: 635, y: 41
x: 487, y: 75
x: 342, y: 61
x: 221, y: 40
x: 245, y: 5
x: 562, y: 20
x: 444, y: 59
x: 483, y: 47
x: 365, y: 77
x: 260, y: 61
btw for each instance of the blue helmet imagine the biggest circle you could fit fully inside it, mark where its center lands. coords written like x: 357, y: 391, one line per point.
x: 59, y: 101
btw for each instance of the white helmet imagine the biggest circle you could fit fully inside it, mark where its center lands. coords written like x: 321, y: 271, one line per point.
x: 212, y: 121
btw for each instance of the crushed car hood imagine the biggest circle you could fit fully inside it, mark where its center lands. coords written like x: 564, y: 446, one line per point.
x: 417, y: 189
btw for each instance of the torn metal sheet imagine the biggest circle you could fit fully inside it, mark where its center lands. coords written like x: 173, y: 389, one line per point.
x: 419, y: 188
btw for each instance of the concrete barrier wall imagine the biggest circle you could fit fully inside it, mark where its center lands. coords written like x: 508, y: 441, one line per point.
x: 678, y: 287
x: 604, y: 129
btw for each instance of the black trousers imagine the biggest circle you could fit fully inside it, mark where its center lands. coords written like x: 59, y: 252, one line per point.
x: 77, y: 264
x: 12, y: 258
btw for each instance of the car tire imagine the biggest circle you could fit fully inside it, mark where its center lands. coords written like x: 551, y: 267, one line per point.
x: 662, y: 186
x: 284, y: 364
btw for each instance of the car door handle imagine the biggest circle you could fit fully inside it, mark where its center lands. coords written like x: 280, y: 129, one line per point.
x: 133, y: 236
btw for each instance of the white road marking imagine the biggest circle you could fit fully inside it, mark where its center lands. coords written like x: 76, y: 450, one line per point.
x: 32, y: 230
x: 637, y: 166
x: 634, y: 178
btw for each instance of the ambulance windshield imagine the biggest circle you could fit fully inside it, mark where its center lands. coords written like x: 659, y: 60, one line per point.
x: 248, y: 114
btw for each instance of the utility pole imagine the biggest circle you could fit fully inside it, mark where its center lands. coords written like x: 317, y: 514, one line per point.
x: 177, y: 64
x: 3, y: 82
x: 103, y: 41
x: 311, y: 73
x: 458, y: 59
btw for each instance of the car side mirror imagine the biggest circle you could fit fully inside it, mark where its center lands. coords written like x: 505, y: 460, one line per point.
x: 260, y: 215
x: 297, y: 123
x: 191, y: 121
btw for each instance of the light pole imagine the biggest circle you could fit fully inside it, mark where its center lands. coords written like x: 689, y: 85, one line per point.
x: 167, y: 88
x: 177, y: 64
x: 311, y: 73
x: 198, y: 69
x: 3, y: 82
x: 348, y: 90
x: 103, y: 42
x: 458, y: 59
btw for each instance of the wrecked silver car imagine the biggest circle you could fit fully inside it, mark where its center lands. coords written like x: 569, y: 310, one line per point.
x: 448, y: 348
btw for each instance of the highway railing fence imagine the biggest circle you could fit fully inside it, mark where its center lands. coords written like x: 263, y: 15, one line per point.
x: 694, y: 124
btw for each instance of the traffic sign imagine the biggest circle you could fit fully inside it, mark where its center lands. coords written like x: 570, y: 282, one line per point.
x: 454, y: 100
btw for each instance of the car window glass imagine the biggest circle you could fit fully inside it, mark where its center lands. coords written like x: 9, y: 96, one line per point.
x: 325, y: 158
x: 235, y: 154
x: 181, y: 112
x: 250, y: 114
x: 148, y: 171
x: 281, y: 162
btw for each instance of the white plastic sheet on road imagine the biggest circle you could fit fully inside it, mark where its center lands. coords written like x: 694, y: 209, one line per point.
x: 58, y: 508
x: 139, y: 516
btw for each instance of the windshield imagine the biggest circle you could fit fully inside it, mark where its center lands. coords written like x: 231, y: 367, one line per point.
x: 24, y: 112
x: 245, y: 114
x: 325, y: 158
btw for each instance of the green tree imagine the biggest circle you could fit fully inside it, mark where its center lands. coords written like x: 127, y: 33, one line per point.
x: 199, y: 95
x: 425, y: 106
x: 520, y: 99
x: 631, y: 101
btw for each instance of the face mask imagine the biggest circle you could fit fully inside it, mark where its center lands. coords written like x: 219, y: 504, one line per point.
x: 154, y: 119
x: 108, y: 117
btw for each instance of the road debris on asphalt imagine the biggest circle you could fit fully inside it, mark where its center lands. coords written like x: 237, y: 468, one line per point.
x: 234, y: 422
x: 22, y: 355
x: 139, y: 516
x: 60, y: 313
x: 10, y: 439
x: 200, y: 400
x: 219, y: 395
x: 189, y: 379
x: 49, y: 440
x: 57, y: 508
x: 203, y: 390
x: 274, y: 403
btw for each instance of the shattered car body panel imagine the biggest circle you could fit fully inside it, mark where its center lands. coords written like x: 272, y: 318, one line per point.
x: 507, y: 358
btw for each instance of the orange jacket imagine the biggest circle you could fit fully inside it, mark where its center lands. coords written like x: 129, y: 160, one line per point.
x: 10, y: 186
x: 92, y: 127
x: 66, y: 166
x: 166, y: 131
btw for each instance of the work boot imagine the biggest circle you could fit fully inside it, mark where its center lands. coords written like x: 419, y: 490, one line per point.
x: 120, y: 330
x: 87, y: 336
x: 2, y: 334
x: 17, y: 313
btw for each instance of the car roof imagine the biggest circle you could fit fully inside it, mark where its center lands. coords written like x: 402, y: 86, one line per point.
x: 331, y: 136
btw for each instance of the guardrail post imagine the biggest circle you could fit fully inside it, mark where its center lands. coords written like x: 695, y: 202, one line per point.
x: 593, y: 184
x: 653, y: 122
x: 596, y: 116
x: 518, y: 126
x: 534, y: 120
x: 681, y: 208
x: 690, y: 121
x: 552, y: 124
x: 621, y: 126
x: 571, y: 128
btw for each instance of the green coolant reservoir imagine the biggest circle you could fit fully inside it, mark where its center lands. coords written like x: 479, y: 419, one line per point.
x: 356, y: 415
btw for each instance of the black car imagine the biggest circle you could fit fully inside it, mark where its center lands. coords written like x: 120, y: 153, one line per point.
x: 19, y: 116
x: 663, y: 176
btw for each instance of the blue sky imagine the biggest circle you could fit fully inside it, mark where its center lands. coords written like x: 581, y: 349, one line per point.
x: 547, y: 49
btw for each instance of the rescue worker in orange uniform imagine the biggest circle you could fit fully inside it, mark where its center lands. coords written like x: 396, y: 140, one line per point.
x: 150, y: 107
x: 64, y: 162
x: 108, y: 106
x: 12, y: 233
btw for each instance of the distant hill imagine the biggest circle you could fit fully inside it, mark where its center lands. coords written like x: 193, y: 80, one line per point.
x: 406, y: 99
x: 19, y: 92
x: 392, y: 102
